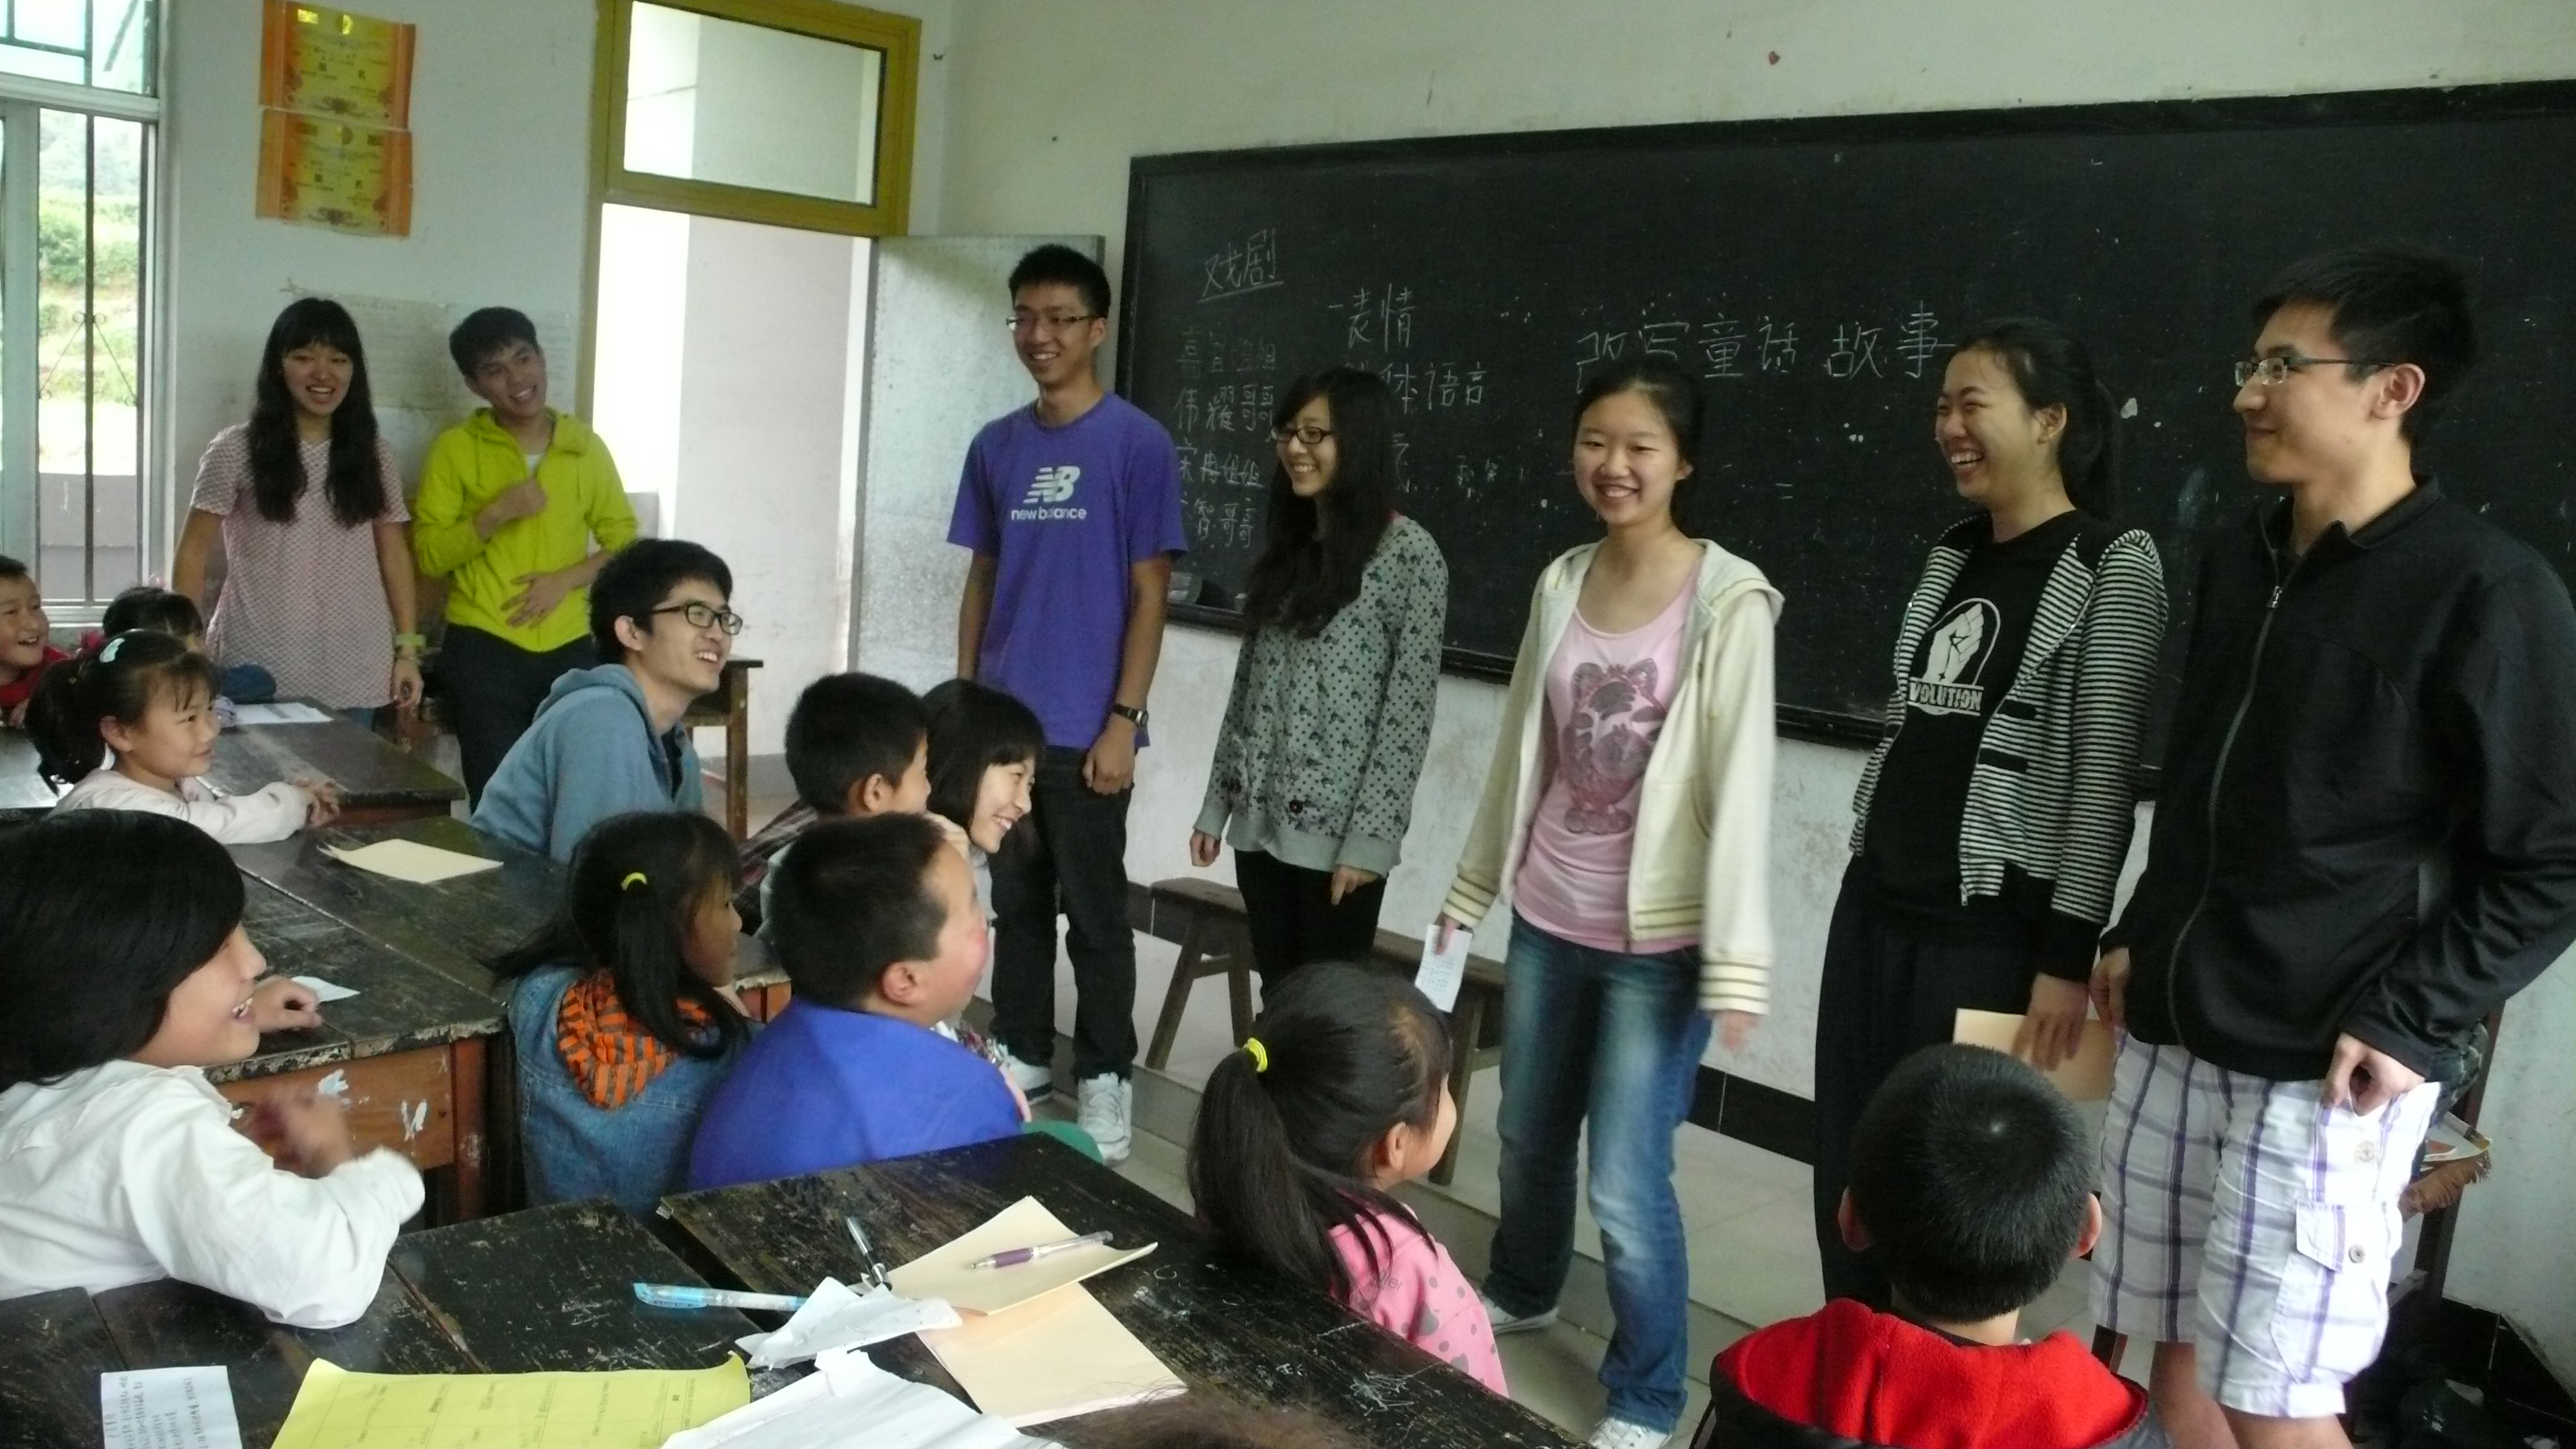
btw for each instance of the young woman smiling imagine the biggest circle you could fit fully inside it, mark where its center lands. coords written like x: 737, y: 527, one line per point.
x: 1993, y: 818
x: 1324, y: 733
x: 1629, y: 807
x: 318, y: 584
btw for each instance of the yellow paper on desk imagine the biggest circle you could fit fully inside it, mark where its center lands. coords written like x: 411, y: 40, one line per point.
x: 942, y: 1272
x: 412, y: 861
x: 1060, y: 1356
x: 2083, y: 1077
x: 336, y: 1409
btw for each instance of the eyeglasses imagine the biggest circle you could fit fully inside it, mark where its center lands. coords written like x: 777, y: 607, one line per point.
x: 2277, y: 369
x: 1050, y: 322
x: 702, y: 616
x: 1310, y: 435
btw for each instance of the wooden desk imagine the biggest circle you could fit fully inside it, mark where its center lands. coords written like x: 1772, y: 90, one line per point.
x: 1230, y: 1332
x: 453, y: 927
x: 729, y: 708
x: 378, y: 781
x: 407, y: 1052
x: 540, y: 1290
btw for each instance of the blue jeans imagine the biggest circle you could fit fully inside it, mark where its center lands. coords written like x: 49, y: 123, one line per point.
x: 1615, y: 1040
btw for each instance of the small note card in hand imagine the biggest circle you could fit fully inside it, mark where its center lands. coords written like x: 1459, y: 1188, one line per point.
x: 1443, y: 972
x: 169, y: 1408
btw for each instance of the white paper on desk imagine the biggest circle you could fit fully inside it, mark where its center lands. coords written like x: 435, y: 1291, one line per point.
x: 283, y: 712
x: 2083, y: 1077
x: 169, y: 1408
x: 835, y: 1317
x: 412, y: 861
x: 848, y: 1400
x: 324, y: 992
x: 942, y: 1273
x: 1443, y: 972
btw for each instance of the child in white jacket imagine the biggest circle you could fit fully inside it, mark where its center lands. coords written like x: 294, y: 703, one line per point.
x: 147, y: 701
x: 119, y: 1164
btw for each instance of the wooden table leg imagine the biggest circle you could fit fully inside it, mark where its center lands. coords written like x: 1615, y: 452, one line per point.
x: 466, y: 1075
x: 738, y: 754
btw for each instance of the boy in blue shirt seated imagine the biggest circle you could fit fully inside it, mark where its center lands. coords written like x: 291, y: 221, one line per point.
x: 876, y: 921
x: 608, y: 739
x: 1972, y: 1185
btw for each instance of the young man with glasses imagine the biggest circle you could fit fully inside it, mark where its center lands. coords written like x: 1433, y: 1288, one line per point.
x: 2366, y: 842
x: 1072, y: 508
x: 608, y: 739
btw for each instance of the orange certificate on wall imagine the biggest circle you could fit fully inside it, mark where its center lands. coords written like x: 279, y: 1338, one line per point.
x: 330, y: 173
x: 331, y: 63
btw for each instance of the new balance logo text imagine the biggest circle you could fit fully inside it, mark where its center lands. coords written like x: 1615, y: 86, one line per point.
x: 1047, y: 495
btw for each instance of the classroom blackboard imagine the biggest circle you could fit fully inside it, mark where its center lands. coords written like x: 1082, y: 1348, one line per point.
x: 1811, y: 272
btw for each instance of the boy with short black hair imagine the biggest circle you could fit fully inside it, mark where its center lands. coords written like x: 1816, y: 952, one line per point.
x: 26, y: 646
x: 857, y: 745
x: 511, y: 501
x: 1971, y: 1187
x: 609, y: 739
x: 1072, y: 509
x: 877, y: 924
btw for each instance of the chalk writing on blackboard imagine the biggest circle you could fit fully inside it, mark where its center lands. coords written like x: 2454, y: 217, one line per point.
x: 1249, y: 265
x: 1855, y: 348
x: 1381, y: 318
x: 1779, y: 345
x: 1919, y: 341
x: 1719, y: 347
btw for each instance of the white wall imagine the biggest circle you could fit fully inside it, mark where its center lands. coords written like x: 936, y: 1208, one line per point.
x: 1048, y: 102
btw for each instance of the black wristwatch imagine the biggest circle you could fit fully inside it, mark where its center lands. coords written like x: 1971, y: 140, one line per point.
x: 1134, y: 717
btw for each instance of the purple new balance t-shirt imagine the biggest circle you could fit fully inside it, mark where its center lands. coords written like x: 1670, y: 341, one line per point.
x: 1066, y: 510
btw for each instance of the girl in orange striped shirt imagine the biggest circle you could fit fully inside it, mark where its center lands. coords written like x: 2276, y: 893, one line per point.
x: 624, y: 1012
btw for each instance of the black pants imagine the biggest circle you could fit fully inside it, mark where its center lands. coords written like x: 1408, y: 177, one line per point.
x: 1289, y: 913
x: 1069, y: 855
x: 1891, y: 986
x: 491, y: 689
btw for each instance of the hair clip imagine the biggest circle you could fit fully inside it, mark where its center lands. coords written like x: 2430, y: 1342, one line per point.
x: 1260, y: 1054
x: 107, y: 651
x: 633, y: 879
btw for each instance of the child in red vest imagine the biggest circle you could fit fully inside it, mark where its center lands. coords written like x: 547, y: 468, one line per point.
x: 1971, y: 1185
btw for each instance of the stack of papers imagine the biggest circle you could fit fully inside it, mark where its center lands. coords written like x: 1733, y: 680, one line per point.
x: 846, y: 1401
x: 836, y: 1318
x: 1035, y: 1346
x: 622, y: 1409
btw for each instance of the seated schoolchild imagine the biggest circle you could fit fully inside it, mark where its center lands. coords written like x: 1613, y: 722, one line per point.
x: 876, y: 924
x: 1340, y: 1093
x: 609, y: 739
x: 623, y: 1010
x: 984, y: 746
x: 167, y: 611
x: 857, y: 745
x: 26, y: 644
x: 118, y: 1162
x: 1971, y: 1185
x: 129, y: 724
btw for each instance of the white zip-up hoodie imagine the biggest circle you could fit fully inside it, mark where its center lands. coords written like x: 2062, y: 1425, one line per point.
x: 1702, y: 865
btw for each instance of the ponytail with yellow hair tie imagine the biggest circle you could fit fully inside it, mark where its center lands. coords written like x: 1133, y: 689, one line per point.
x: 1260, y: 1054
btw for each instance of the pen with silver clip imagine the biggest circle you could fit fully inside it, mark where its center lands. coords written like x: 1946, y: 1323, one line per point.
x: 1010, y: 1256
x: 867, y: 1250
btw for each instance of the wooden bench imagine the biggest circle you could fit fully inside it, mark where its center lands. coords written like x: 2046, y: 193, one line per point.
x: 1206, y: 919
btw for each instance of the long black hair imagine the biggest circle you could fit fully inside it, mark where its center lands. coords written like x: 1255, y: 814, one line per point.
x: 974, y: 727
x: 2052, y: 368
x: 633, y: 929
x: 355, y: 483
x: 117, y: 678
x: 1301, y: 580
x: 120, y: 906
x: 1279, y: 1155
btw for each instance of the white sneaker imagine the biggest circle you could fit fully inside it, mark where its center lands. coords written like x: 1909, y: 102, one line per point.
x: 1505, y: 1322
x: 1623, y: 1434
x: 1108, y: 1113
x: 1034, y: 1079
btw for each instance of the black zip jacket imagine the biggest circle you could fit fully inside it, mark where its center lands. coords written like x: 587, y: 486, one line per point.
x: 2368, y: 820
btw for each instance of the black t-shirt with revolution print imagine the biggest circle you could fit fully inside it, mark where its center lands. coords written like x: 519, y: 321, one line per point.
x: 1965, y: 664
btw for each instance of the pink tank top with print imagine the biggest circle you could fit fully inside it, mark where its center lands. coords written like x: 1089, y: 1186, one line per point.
x: 1606, y: 696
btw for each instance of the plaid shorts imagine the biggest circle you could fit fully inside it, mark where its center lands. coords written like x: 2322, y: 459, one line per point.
x: 2265, y: 1216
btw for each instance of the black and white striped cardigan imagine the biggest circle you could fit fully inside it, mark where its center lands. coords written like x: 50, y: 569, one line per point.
x: 2053, y: 790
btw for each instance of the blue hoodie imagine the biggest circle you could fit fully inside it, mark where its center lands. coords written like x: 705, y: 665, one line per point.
x: 590, y: 754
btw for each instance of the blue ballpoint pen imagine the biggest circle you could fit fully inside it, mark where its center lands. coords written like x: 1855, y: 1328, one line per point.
x: 683, y: 1295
